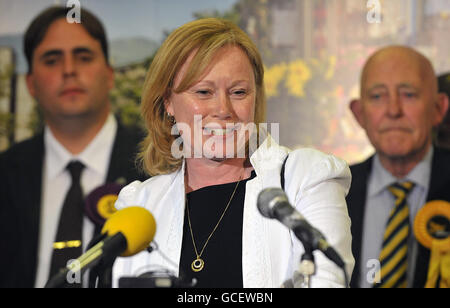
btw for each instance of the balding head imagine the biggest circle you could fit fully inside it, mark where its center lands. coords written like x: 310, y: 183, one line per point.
x: 400, y: 58
x: 399, y: 105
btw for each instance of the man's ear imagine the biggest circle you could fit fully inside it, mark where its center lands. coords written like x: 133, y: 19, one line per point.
x: 30, y: 84
x: 357, y: 110
x: 111, y: 79
x: 442, y: 105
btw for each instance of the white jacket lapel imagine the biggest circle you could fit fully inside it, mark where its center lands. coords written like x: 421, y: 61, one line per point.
x: 260, y: 233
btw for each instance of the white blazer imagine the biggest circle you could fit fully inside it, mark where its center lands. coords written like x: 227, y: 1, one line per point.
x: 315, y: 183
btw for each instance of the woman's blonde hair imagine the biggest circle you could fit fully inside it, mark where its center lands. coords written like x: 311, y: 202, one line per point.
x: 206, y: 37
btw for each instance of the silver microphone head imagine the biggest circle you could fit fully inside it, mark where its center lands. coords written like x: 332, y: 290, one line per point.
x: 267, y: 200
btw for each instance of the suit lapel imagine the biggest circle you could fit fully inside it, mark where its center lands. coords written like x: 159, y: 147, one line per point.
x: 122, y: 167
x: 438, y: 190
x: 29, y: 172
x: 356, y: 201
x: 116, y: 157
x: 440, y: 176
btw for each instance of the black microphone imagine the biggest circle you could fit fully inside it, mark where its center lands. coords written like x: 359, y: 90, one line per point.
x: 273, y: 203
x: 125, y: 233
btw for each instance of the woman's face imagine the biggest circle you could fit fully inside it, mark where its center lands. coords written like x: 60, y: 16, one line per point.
x: 215, y: 115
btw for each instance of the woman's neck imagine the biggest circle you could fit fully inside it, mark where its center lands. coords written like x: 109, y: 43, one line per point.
x: 202, y: 172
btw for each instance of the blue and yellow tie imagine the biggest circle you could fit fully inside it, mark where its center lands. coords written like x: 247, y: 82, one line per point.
x: 394, y: 253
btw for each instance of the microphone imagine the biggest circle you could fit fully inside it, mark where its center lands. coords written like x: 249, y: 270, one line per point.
x: 126, y: 233
x: 273, y: 203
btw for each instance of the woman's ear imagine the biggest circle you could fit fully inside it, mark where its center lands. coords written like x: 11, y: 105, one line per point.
x: 168, y: 106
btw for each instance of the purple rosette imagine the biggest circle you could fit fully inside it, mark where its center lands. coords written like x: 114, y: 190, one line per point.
x: 99, y: 203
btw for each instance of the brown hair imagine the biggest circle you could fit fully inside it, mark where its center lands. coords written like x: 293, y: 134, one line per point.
x: 38, y: 28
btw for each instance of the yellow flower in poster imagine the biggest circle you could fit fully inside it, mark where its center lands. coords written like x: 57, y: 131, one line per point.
x: 297, y: 76
x: 331, y: 68
x: 272, y: 78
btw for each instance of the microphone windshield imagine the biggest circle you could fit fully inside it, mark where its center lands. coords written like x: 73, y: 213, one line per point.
x: 136, y: 224
x: 268, y: 199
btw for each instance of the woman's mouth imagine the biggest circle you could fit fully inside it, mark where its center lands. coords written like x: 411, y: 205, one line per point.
x: 219, y: 131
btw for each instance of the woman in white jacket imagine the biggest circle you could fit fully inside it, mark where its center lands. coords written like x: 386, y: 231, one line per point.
x: 203, y: 104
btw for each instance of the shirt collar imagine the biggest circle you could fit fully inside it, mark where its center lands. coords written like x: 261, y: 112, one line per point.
x: 381, y: 178
x: 95, y: 156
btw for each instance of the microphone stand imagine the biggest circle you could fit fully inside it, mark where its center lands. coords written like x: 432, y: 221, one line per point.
x: 100, y: 256
x: 307, y: 268
x: 100, y: 276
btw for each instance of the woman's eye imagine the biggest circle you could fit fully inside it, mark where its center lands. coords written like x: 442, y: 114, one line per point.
x: 202, y: 92
x: 240, y: 92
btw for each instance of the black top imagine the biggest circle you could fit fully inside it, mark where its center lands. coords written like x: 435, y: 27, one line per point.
x: 223, y: 253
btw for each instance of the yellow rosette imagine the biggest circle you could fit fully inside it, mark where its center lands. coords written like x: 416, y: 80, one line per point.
x: 100, y: 203
x: 432, y: 230
x: 105, y: 206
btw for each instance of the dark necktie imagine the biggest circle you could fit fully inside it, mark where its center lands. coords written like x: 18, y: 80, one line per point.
x: 394, y: 254
x: 68, y: 244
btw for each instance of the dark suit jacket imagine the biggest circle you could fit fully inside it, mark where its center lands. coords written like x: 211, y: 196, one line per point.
x: 439, y: 190
x: 20, y: 201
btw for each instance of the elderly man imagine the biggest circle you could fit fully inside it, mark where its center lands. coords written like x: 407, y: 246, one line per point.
x: 398, y: 108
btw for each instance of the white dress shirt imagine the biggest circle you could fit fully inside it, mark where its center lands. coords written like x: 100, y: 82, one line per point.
x: 379, y: 205
x: 316, y: 185
x: 56, y: 182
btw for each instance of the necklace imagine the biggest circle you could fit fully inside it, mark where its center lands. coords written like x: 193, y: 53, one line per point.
x: 198, y: 264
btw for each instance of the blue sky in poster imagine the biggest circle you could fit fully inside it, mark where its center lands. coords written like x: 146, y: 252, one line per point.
x: 134, y: 27
x: 145, y: 18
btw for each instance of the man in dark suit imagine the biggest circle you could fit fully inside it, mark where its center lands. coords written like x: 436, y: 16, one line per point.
x: 443, y: 132
x: 398, y: 109
x: 70, y: 78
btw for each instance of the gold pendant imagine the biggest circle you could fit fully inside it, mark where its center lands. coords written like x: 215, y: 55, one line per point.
x: 197, y: 265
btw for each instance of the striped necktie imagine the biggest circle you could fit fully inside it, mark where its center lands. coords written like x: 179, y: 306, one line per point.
x: 394, y: 253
